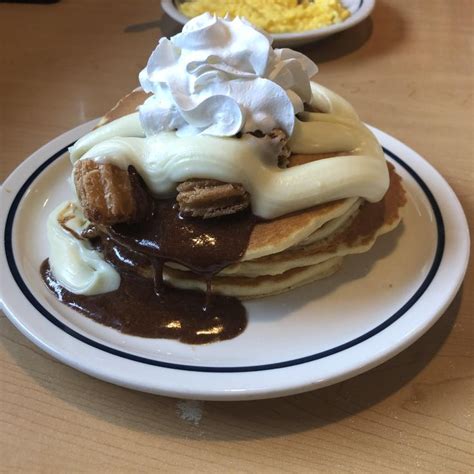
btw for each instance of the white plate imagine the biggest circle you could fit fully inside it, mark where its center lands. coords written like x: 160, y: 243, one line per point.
x: 377, y: 305
x: 360, y: 10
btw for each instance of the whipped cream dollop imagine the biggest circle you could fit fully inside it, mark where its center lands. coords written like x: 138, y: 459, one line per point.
x: 220, y: 77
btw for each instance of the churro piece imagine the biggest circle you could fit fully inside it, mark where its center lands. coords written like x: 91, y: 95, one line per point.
x: 209, y: 198
x: 110, y: 195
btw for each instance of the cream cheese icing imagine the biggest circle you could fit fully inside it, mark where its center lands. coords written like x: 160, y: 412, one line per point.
x: 74, y: 263
x: 165, y: 159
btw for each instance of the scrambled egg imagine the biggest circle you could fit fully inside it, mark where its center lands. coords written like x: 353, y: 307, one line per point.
x: 277, y: 16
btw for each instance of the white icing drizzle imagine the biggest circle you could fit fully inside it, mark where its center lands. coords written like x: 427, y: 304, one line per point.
x: 74, y: 263
x: 166, y: 159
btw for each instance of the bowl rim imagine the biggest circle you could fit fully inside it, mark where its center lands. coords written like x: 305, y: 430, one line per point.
x: 364, y: 10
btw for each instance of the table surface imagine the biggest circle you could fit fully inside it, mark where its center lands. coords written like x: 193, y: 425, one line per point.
x: 408, y: 70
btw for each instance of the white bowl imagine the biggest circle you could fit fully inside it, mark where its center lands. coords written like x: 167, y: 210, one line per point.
x: 360, y: 9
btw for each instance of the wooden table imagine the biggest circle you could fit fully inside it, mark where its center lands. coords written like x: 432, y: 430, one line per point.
x: 408, y: 70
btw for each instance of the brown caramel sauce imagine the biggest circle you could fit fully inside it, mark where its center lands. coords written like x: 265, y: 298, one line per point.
x: 206, y: 246
x: 137, y: 310
x: 147, y: 307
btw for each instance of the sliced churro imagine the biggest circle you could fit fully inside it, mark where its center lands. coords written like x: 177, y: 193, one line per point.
x: 110, y: 195
x: 210, y: 198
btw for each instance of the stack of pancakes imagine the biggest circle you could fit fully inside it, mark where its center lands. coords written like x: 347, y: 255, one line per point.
x: 294, y: 249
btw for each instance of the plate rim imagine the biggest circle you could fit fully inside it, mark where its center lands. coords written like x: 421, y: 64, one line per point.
x: 14, y: 270
x: 262, y: 391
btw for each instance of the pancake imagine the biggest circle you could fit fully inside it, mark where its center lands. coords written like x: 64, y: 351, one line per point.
x: 255, y: 287
x: 272, y: 236
x: 358, y: 235
x: 291, y: 250
x: 369, y: 222
x: 276, y: 235
x: 334, y: 225
x: 125, y: 106
x: 304, y: 264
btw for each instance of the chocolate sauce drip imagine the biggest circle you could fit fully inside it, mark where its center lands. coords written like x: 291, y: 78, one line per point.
x: 120, y: 256
x: 135, y: 309
x: 157, y: 265
x: 147, y: 307
x: 206, y: 246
